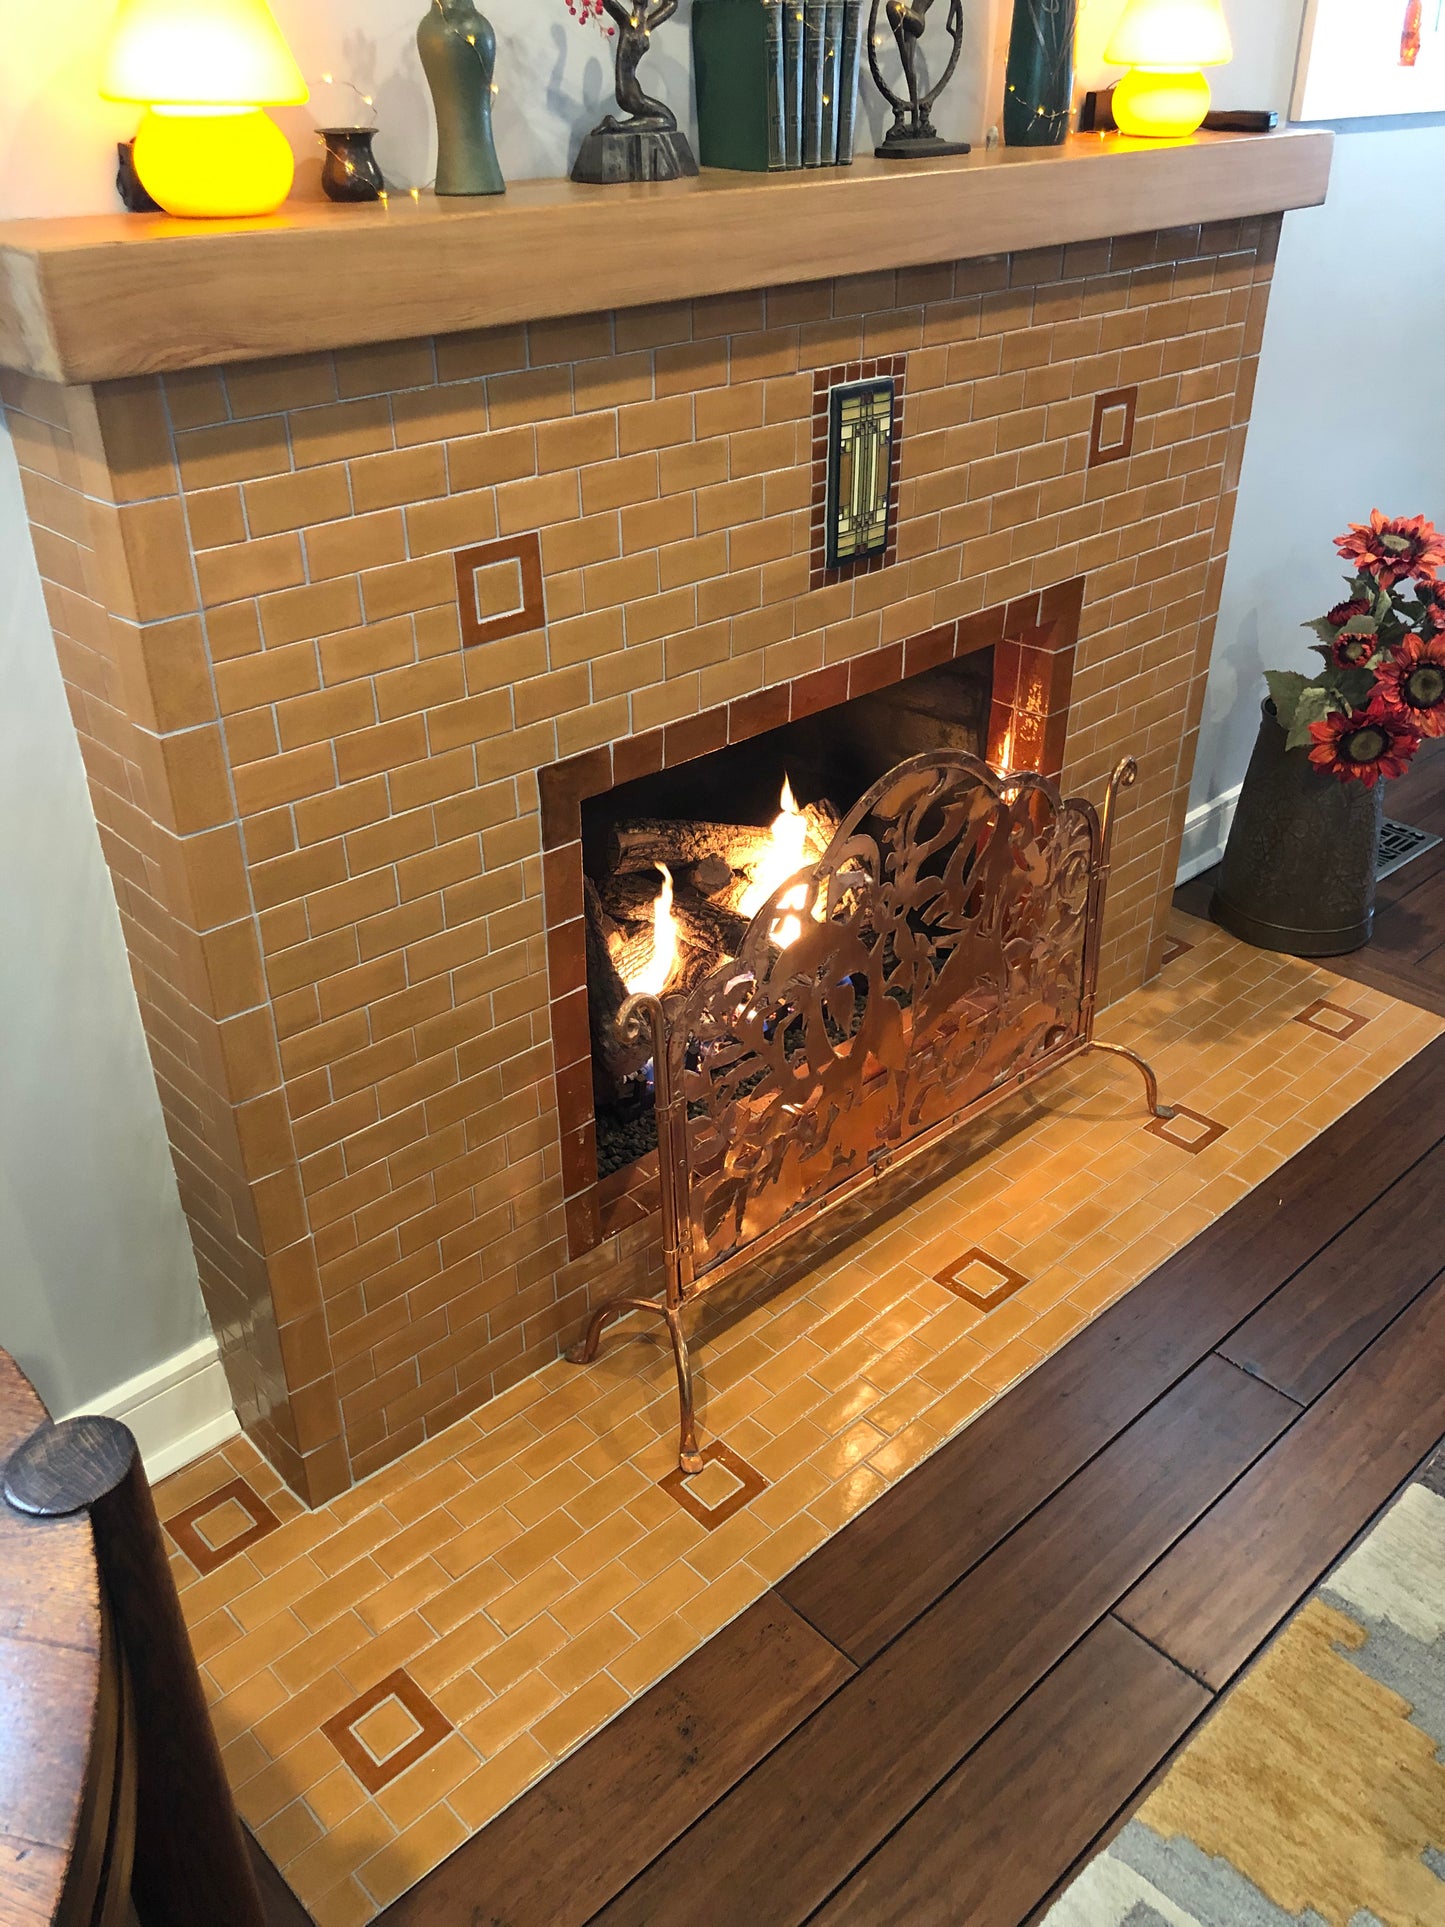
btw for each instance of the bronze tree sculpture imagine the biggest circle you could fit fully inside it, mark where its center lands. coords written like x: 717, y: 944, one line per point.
x: 648, y: 145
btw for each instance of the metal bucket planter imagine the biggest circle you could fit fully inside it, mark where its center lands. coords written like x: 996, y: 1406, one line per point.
x: 1299, y: 869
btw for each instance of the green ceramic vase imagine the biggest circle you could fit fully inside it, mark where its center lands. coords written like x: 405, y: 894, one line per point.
x: 459, y: 56
x: 1039, y: 87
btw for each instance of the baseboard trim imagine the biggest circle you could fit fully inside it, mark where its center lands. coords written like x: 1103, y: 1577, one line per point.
x: 1206, y: 830
x: 177, y: 1410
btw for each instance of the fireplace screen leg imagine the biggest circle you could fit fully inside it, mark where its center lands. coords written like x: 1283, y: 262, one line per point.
x: 583, y: 1353
x: 585, y: 1350
x: 1151, y: 1082
x: 688, y: 1456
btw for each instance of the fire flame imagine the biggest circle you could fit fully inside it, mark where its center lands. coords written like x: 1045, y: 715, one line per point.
x: 653, y: 978
x: 784, y: 858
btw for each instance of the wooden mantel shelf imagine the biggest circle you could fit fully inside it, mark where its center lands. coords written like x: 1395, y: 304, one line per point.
x: 98, y: 298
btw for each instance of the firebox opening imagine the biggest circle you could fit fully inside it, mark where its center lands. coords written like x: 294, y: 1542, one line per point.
x: 677, y: 863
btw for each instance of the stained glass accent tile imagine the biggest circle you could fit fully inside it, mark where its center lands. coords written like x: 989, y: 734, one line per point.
x: 860, y: 470
x: 530, y: 1571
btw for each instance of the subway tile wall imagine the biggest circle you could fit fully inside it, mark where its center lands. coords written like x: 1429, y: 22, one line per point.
x: 320, y: 808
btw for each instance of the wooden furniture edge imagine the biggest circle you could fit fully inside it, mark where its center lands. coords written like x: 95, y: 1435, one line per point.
x: 101, y: 298
x: 49, y: 1608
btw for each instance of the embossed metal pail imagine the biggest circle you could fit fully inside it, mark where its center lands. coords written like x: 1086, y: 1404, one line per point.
x: 1299, y: 869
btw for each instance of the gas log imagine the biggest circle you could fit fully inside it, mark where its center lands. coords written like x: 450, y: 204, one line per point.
x: 648, y: 841
x: 613, y: 1061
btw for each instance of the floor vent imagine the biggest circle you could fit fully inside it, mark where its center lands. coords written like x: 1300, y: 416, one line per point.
x: 1399, y: 844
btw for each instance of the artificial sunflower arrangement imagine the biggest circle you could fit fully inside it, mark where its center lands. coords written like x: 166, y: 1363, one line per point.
x: 1382, y: 688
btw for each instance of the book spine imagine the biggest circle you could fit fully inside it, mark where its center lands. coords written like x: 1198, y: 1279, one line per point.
x: 848, y: 78
x: 793, y: 82
x: 773, y: 53
x: 815, y: 21
x: 832, y: 79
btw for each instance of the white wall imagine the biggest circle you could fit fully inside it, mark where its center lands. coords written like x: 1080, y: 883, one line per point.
x: 96, y: 1281
x: 1349, y: 416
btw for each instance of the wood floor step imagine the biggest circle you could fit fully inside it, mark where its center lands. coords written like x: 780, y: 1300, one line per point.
x: 1302, y: 1338
x: 1008, y: 1824
x: 778, y: 1845
x: 1219, y: 1593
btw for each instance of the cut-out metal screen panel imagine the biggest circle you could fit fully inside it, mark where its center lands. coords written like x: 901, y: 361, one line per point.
x: 942, y: 954
x: 860, y: 470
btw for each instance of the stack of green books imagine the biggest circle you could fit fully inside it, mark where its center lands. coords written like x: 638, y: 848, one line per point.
x: 777, y: 82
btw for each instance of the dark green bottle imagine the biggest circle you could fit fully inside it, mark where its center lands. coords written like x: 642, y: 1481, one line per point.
x: 1039, y: 87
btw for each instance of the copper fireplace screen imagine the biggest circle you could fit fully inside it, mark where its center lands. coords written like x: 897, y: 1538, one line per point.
x: 946, y: 954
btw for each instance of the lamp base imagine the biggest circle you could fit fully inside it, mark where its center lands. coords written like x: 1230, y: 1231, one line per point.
x: 1160, y: 105
x: 213, y: 164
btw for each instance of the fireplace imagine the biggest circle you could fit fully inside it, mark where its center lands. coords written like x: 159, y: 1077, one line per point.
x: 367, y: 644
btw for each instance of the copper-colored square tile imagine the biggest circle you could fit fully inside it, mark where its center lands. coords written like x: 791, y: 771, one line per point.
x: 1333, y: 1019
x: 724, y: 1486
x: 499, y: 589
x: 1189, y: 1130
x: 980, y: 1279
x: 219, y: 1526
x: 1111, y: 438
x: 386, y: 1730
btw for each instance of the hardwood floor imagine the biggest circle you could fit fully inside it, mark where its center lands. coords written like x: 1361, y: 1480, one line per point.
x: 1406, y: 956
x: 951, y: 1703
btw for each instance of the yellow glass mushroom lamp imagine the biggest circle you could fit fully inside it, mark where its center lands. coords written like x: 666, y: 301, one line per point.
x: 206, y: 71
x: 1166, y: 45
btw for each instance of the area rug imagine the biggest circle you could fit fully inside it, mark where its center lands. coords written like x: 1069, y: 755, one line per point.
x: 1315, y: 1795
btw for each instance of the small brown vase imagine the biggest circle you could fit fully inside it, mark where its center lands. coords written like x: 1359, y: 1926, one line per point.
x: 1299, y: 869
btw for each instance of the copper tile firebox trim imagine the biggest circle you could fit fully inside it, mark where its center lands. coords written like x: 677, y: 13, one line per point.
x: 1033, y: 640
x: 1117, y: 448
x: 825, y: 380
x: 531, y: 613
x: 432, y: 1728
x: 183, y: 1527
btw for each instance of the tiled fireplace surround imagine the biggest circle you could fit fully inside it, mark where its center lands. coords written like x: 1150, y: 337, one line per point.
x: 341, y: 821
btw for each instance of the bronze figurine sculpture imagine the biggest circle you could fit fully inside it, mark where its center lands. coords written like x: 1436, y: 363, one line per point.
x: 459, y: 56
x: 648, y: 145
x: 913, y: 136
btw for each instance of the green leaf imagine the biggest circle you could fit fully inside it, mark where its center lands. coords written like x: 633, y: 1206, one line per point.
x: 1355, y: 687
x: 1323, y: 628
x: 1286, y: 687
x: 1314, y: 704
x: 1361, y: 626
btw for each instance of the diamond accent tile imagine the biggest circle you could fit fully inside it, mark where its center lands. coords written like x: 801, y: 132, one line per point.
x: 228, y: 1521
x: 1174, y: 948
x: 980, y: 1279
x: 1333, y: 1019
x: 1190, y: 1130
x: 724, y: 1486
x: 388, y: 1729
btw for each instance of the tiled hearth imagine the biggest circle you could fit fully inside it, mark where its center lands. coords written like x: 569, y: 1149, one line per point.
x: 323, y: 619
x: 391, y: 1670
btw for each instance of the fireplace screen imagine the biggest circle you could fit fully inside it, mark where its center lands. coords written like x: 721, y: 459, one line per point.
x: 940, y: 953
